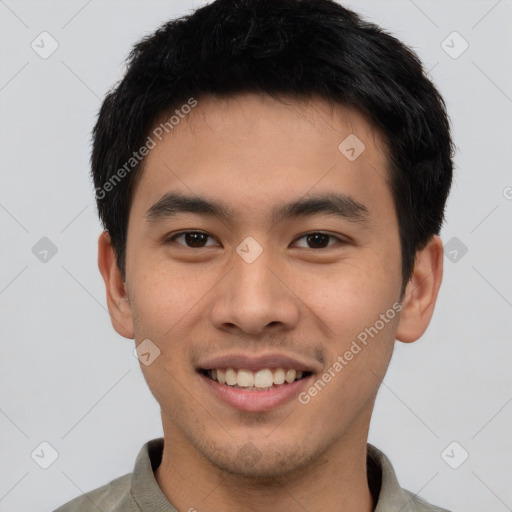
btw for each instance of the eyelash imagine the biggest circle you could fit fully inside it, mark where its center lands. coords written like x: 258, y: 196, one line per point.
x: 173, y: 238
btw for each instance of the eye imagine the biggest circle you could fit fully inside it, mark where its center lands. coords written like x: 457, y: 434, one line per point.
x: 192, y: 239
x: 318, y: 240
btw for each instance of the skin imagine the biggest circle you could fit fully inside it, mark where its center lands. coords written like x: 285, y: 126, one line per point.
x: 254, y: 153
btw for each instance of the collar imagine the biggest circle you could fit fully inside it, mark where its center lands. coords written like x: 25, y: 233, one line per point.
x: 384, y: 486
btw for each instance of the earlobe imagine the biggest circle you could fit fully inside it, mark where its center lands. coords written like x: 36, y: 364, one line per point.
x: 421, y: 292
x: 117, y: 298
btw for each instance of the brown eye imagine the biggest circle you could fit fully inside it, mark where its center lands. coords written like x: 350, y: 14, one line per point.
x: 192, y: 239
x: 318, y: 240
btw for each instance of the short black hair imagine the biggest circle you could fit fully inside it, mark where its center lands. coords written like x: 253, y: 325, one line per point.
x: 281, y: 48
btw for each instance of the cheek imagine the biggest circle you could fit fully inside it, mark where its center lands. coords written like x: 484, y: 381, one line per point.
x: 162, y: 305
x: 352, y: 297
x: 165, y: 296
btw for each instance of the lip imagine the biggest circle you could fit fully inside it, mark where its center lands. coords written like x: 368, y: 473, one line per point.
x: 255, y: 401
x: 259, y: 362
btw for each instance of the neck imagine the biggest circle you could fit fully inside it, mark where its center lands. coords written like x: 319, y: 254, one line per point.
x: 336, y: 480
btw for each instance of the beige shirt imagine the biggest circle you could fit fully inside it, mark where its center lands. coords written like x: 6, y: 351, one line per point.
x: 139, y: 491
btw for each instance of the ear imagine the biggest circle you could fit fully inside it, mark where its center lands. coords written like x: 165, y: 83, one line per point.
x: 117, y: 299
x: 421, y: 292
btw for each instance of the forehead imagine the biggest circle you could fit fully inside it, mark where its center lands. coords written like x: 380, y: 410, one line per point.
x: 247, y: 115
x: 252, y: 150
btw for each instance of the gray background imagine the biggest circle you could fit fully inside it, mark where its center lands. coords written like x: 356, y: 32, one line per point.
x: 69, y: 380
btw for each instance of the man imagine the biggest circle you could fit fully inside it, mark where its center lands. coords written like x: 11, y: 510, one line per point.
x: 272, y: 177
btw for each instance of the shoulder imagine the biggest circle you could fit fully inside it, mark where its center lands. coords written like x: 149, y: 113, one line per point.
x: 418, y: 504
x: 387, y: 490
x: 112, y: 497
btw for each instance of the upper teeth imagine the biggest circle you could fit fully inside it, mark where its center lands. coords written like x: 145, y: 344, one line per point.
x: 261, y: 379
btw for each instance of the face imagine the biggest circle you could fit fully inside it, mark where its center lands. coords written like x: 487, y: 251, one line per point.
x: 286, y: 255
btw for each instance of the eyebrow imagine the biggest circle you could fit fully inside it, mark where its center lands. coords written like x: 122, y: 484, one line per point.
x: 339, y: 205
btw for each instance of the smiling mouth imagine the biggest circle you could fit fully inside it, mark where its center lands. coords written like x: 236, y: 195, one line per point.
x: 261, y: 380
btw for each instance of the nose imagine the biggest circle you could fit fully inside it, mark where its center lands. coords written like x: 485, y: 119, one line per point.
x: 255, y: 297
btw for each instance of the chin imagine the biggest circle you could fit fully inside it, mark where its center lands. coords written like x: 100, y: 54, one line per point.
x: 259, y: 463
